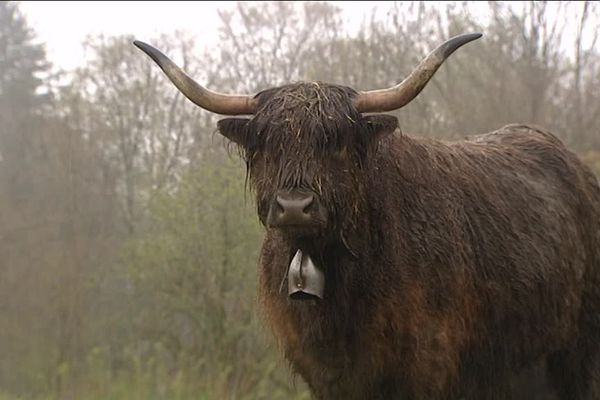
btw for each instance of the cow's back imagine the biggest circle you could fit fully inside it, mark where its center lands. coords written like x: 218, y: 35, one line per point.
x: 501, y: 233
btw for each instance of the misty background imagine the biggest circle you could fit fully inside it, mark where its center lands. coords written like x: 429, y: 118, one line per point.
x: 128, y: 245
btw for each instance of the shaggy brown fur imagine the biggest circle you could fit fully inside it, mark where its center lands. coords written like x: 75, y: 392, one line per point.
x: 450, y: 267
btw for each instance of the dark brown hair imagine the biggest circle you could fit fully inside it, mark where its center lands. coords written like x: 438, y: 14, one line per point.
x: 452, y: 266
x: 308, y: 136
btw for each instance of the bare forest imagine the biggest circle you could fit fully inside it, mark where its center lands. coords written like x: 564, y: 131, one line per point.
x: 128, y: 240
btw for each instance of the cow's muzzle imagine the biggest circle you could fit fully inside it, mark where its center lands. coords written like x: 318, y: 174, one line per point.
x: 296, y: 211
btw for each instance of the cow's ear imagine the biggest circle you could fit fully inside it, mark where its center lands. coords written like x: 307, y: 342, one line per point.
x: 238, y: 131
x: 379, y: 126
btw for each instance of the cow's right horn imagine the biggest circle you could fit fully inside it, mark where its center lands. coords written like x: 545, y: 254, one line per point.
x: 212, y: 101
x: 398, y: 96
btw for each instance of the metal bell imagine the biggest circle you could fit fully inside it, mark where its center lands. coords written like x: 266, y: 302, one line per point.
x: 305, y: 280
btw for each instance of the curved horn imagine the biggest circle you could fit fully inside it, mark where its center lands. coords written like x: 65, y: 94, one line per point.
x: 212, y: 101
x: 398, y: 96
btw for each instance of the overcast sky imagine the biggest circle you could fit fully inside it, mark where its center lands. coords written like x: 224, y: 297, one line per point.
x: 63, y: 25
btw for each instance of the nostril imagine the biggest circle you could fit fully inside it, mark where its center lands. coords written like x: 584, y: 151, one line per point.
x: 307, y: 204
x: 280, y: 204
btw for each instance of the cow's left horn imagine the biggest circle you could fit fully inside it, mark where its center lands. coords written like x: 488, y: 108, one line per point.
x: 398, y: 96
x: 212, y: 101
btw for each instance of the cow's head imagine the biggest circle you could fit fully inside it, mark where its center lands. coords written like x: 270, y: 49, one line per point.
x: 306, y: 145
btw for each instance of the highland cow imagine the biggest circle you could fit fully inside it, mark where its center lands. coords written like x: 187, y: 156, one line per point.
x: 397, y: 267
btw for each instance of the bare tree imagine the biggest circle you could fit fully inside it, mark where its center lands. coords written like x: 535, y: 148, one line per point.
x: 148, y: 130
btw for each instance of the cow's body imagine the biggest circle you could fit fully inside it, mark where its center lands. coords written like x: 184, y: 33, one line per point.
x: 476, y: 260
x: 449, y: 269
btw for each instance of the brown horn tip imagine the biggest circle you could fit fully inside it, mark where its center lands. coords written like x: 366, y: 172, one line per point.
x: 454, y: 43
x: 154, y: 54
x: 398, y: 96
x: 212, y: 101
